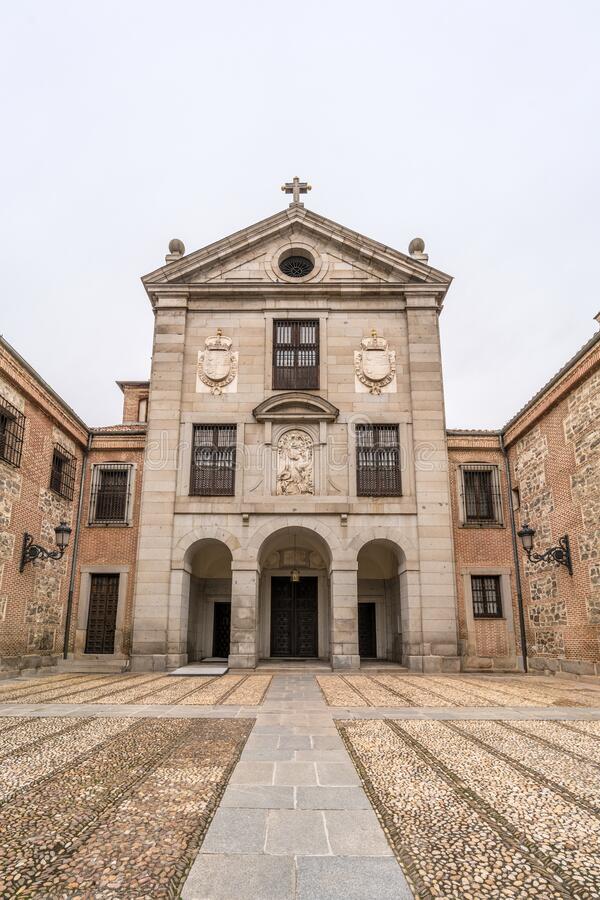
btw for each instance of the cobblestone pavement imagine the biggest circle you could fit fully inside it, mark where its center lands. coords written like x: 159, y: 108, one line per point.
x: 486, y: 809
x: 452, y: 691
x: 109, y: 808
x: 447, y: 786
x: 189, y: 690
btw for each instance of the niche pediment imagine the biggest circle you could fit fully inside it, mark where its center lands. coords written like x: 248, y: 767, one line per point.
x: 295, y: 407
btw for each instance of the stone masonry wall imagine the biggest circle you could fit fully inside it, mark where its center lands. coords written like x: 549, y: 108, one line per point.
x: 32, y: 603
x: 556, y: 466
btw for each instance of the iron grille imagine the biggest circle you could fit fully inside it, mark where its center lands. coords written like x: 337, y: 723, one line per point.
x: 296, y: 266
x: 378, y: 461
x: 295, y: 354
x: 481, y: 490
x: 62, y: 473
x: 12, y: 429
x: 487, y: 600
x: 213, y: 461
x: 102, y: 614
x: 111, y: 494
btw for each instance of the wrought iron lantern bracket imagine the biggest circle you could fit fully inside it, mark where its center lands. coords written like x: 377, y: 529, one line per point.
x: 561, y: 554
x: 31, y: 551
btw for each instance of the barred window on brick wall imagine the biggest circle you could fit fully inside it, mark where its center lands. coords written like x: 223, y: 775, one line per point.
x: 12, y: 428
x: 378, y: 461
x: 62, y: 473
x: 482, y: 502
x: 110, y: 499
x: 487, y: 600
x: 213, y: 461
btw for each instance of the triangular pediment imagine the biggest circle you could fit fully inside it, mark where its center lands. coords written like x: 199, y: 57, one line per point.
x: 295, y: 406
x: 252, y: 256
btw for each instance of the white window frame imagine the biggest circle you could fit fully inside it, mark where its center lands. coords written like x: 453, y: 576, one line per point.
x: 94, y: 482
x: 498, y: 520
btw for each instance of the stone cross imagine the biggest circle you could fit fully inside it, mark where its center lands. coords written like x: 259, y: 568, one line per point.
x: 296, y: 187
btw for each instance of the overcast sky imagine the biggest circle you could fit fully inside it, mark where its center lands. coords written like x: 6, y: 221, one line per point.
x: 472, y: 124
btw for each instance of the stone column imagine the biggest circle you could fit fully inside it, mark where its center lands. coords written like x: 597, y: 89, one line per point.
x: 344, y: 616
x: 439, y: 650
x: 245, y: 580
x: 153, y: 576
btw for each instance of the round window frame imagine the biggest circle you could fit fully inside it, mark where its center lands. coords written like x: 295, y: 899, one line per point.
x: 295, y: 248
x: 293, y: 253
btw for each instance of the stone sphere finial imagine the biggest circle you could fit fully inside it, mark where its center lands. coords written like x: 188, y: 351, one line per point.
x: 417, y: 245
x: 176, y: 247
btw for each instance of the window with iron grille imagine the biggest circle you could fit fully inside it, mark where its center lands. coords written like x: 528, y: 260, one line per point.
x: 213, y: 461
x: 487, y: 599
x: 12, y: 428
x: 378, y: 461
x: 62, y: 473
x: 295, y: 354
x: 110, y: 499
x: 482, y: 503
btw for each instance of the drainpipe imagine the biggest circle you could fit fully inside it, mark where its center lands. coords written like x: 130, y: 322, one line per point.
x: 515, y: 546
x: 69, y: 612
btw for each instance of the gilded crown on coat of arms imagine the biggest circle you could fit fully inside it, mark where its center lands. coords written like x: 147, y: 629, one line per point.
x: 373, y: 342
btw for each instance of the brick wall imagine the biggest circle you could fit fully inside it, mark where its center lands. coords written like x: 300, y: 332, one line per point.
x: 33, y: 603
x: 555, y: 461
x: 484, y: 643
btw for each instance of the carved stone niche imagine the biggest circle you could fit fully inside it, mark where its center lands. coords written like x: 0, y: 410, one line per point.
x: 295, y: 464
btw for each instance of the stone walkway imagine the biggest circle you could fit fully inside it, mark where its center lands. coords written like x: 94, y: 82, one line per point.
x: 484, y: 801
x: 294, y: 821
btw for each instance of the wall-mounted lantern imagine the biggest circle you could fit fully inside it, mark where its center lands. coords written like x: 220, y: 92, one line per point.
x: 561, y: 554
x: 33, y: 551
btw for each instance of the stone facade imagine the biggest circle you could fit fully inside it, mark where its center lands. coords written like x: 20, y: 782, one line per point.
x: 197, y: 574
x: 296, y: 478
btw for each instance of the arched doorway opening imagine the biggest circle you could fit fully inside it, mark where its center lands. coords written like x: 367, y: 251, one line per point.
x: 209, y: 617
x: 379, y: 601
x: 294, y: 595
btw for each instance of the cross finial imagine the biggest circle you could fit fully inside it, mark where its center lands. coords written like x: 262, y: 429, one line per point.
x: 296, y: 187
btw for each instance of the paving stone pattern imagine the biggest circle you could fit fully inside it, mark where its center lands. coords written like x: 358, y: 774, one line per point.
x: 483, y: 809
x: 241, y: 690
x: 256, y: 787
x: 110, y: 808
x: 391, y: 691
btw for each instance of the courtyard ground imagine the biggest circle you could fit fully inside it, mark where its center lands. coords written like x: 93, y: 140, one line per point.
x: 356, y: 786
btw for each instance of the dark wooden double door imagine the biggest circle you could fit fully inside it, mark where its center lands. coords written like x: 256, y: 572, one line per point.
x: 294, y: 618
x: 367, y: 634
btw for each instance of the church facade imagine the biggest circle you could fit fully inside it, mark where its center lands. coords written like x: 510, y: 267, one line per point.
x: 284, y: 486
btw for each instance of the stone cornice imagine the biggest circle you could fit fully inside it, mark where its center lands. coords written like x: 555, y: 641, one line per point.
x: 281, y: 224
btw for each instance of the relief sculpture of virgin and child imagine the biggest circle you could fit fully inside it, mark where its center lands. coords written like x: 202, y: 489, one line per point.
x: 295, y: 464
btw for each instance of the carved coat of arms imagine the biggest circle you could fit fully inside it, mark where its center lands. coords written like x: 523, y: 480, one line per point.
x: 374, y: 364
x: 217, y: 364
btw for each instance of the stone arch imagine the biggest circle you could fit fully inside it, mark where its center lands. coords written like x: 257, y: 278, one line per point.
x: 205, y: 606
x: 386, y: 579
x: 185, y: 547
x: 405, y: 547
x: 274, y: 524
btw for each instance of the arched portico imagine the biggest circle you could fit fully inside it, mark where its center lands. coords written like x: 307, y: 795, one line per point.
x: 294, y: 618
x: 209, y: 611
x: 381, y: 569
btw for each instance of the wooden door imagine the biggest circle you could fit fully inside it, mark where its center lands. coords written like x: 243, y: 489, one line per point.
x: 102, y: 614
x: 367, y: 635
x: 294, y: 617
